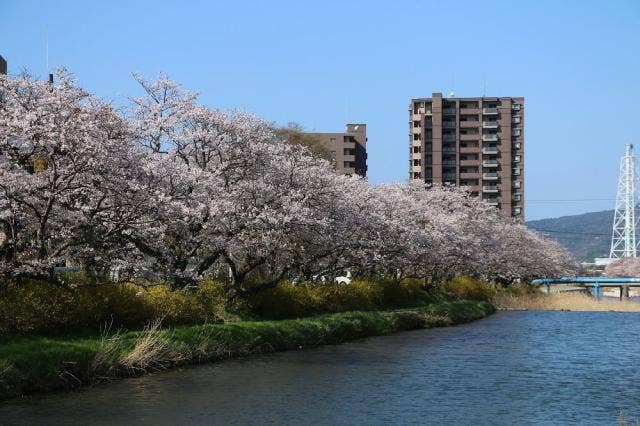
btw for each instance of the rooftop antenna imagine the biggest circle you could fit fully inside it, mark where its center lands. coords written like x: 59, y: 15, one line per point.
x: 452, y: 93
x: 46, y: 50
x: 623, y: 238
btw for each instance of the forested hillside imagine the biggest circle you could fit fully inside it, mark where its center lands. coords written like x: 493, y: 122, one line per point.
x: 586, y: 235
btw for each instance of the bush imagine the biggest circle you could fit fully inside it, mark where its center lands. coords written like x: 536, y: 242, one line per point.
x: 36, y: 307
x: 467, y: 288
x: 520, y: 289
x: 288, y: 300
x: 30, y: 306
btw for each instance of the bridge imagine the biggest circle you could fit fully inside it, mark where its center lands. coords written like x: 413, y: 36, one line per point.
x: 595, y: 283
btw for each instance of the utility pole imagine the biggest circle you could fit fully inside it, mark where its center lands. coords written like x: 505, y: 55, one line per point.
x: 623, y: 238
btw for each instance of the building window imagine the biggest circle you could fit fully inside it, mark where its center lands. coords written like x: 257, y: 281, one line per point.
x: 516, y: 211
x: 516, y: 171
x: 516, y: 132
x: 516, y: 184
x: 515, y: 120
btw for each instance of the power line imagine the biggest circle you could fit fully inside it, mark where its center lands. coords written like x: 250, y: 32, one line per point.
x: 569, y: 232
x: 569, y: 200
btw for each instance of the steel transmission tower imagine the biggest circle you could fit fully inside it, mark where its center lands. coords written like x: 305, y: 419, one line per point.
x: 623, y: 239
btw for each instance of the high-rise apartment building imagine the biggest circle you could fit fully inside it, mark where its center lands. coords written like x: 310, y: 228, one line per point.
x: 472, y: 142
x: 348, y: 150
x: 3, y: 65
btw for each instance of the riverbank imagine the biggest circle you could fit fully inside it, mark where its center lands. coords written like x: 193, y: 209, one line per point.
x: 561, y: 302
x: 41, y: 364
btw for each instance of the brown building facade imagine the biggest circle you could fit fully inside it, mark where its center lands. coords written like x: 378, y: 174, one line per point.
x: 472, y: 142
x: 348, y: 150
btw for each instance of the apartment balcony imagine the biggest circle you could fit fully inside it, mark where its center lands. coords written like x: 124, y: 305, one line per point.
x: 416, y: 169
x: 469, y: 123
x: 491, y: 189
x: 416, y: 130
x: 516, y: 107
x: 448, y: 111
x: 469, y: 149
x: 469, y: 175
x: 416, y: 117
x: 415, y: 156
x: 490, y: 163
x: 449, y: 138
x: 489, y: 124
x: 469, y: 111
x: 490, y: 176
x: 449, y: 124
x: 490, y: 138
x: 469, y: 162
x: 491, y: 201
x: 488, y: 111
x: 490, y: 150
x: 469, y: 136
x: 349, y: 158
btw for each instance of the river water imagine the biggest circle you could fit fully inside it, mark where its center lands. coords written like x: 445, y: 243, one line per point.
x: 512, y: 368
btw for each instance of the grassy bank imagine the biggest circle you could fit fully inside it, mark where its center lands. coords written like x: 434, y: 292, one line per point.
x: 31, y: 364
x: 561, y: 302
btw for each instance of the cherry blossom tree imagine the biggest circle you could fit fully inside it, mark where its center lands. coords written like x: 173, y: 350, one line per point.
x: 623, y: 268
x: 173, y: 191
x: 63, y: 156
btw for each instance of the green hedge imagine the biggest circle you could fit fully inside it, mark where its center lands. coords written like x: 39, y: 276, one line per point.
x: 289, y: 300
x: 35, y: 307
x: 31, y: 307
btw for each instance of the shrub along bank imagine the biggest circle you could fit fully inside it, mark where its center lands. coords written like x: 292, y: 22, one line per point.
x: 35, y: 363
x: 35, y: 307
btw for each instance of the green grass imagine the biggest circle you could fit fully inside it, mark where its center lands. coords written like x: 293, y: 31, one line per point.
x: 38, y: 364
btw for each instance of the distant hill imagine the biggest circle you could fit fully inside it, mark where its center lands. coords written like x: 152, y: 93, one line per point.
x: 586, y: 235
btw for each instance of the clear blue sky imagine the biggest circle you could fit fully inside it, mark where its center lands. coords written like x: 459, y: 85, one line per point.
x: 325, y: 63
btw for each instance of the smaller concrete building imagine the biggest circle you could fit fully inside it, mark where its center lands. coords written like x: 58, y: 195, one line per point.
x: 348, y: 149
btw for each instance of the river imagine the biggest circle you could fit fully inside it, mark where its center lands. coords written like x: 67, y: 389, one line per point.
x: 512, y: 368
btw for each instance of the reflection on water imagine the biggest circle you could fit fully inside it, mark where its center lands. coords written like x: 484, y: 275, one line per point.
x: 512, y: 368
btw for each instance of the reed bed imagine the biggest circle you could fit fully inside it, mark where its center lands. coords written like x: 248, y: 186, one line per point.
x: 561, y: 302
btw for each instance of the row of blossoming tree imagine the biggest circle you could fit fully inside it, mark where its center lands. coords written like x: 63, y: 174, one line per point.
x: 174, y: 191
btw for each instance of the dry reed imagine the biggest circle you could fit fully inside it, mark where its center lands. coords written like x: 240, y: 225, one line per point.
x: 562, y: 302
x: 150, y: 352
